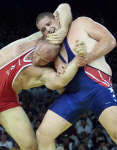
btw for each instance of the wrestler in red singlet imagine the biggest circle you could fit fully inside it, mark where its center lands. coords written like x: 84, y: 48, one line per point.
x: 8, y: 73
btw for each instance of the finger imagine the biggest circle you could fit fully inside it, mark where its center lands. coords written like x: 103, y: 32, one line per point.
x: 56, y: 35
x: 55, y: 39
x: 55, y: 42
x: 52, y: 39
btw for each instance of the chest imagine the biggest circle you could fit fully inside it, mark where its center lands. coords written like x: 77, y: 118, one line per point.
x: 76, y: 34
x: 81, y: 36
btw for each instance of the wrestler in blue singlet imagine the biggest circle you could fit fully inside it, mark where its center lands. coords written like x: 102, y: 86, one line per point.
x: 90, y: 89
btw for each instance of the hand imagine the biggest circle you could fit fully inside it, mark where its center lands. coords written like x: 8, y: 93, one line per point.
x: 61, y: 69
x: 83, y: 60
x: 82, y: 57
x: 80, y: 48
x: 57, y: 37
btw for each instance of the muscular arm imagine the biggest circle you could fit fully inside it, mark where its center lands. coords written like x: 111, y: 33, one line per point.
x: 106, y: 41
x: 65, y: 19
x: 34, y: 36
x: 52, y: 81
x: 30, y: 40
x: 48, y: 77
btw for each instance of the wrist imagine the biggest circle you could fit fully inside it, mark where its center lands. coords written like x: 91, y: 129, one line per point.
x: 76, y: 60
x: 90, y: 57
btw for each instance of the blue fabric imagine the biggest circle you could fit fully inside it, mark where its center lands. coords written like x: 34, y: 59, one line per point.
x: 90, y: 96
x: 82, y: 94
x: 61, y: 57
x: 68, y: 50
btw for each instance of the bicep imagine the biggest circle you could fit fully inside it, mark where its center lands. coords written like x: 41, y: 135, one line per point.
x: 45, y: 74
x: 49, y: 78
x: 33, y: 71
x: 96, y: 30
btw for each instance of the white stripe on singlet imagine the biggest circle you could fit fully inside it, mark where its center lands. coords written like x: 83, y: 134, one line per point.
x: 96, y: 78
x: 16, y: 58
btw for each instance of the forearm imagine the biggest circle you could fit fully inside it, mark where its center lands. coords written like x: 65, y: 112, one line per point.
x: 55, y: 81
x: 69, y: 73
x: 34, y: 36
x: 65, y: 15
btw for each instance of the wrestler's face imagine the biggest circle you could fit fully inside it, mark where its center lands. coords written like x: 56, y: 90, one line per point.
x: 48, y: 25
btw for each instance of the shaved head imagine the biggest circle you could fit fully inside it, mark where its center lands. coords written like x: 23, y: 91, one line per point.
x: 46, y: 51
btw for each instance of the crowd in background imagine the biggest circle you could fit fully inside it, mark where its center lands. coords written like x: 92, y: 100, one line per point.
x: 85, y: 134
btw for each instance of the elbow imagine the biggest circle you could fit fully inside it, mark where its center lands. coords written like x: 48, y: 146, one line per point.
x: 55, y: 85
x: 59, y: 85
x: 110, y: 41
x: 65, y: 5
x: 113, y: 42
x: 68, y: 8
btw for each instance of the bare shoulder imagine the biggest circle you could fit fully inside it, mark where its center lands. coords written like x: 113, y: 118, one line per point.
x: 35, y: 71
x: 89, y: 23
x: 32, y: 71
x: 31, y: 77
x: 83, y: 19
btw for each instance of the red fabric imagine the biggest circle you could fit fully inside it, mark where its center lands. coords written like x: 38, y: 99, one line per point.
x: 8, y: 97
x: 98, y: 76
